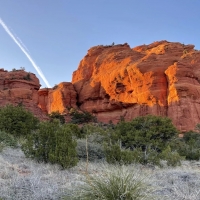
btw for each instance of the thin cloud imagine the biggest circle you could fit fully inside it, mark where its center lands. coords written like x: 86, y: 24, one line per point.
x: 21, y: 46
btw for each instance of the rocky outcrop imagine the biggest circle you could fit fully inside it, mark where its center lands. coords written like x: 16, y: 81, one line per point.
x: 20, y: 88
x: 162, y: 78
x: 116, y: 81
x: 60, y: 98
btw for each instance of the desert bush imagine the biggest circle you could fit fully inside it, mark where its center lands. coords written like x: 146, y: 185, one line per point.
x: 140, y: 140
x: 16, y: 120
x: 95, y: 150
x: 27, y: 77
x: 146, y: 132
x: 57, y: 115
x: 116, y: 155
x: 7, y: 140
x: 113, y: 184
x: 172, y: 157
x: 190, y: 146
x: 55, y: 86
x: 81, y: 117
x: 90, y: 142
x: 53, y: 143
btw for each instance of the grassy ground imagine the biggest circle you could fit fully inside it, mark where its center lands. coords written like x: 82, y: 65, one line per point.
x: 22, y: 178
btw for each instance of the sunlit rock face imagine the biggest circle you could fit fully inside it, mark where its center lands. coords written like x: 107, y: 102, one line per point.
x: 19, y: 87
x: 162, y: 78
x: 60, y: 98
x: 116, y: 81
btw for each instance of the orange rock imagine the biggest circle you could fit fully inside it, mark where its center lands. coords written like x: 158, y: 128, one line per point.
x: 161, y: 79
x: 60, y: 99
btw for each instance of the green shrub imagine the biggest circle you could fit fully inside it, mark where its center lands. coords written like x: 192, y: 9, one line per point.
x: 141, y: 140
x: 113, y: 184
x: 81, y: 117
x: 95, y: 150
x: 172, y: 157
x: 1, y: 147
x: 27, y: 77
x: 150, y: 156
x: 7, y: 140
x: 55, y: 86
x: 90, y: 142
x: 16, y: 120
x: 146, y: 132
x: 189, y: 146
x: 52, y: 143
x: 116, y: 155
x: 57, y: 115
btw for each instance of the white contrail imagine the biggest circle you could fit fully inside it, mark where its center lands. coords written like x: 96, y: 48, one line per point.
x: 25, y: 52
x: 22, y: 44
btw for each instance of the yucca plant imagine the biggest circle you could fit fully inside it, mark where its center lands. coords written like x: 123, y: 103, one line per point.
x: 115, y: 183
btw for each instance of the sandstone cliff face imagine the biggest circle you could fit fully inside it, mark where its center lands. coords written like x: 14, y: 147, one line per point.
x: 62, y: 97
x: 20, y: 87
x: 162, y: 78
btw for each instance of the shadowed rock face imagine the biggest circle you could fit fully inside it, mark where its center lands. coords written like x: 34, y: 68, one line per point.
x: 20, y: 87
x: 162, y: 78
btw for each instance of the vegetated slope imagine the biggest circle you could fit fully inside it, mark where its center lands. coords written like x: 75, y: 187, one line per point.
x: 21, y: 178
x: 162, y: 78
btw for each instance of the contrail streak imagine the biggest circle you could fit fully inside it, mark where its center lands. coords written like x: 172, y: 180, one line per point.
x: 23, y: 45
x: 25, y: 52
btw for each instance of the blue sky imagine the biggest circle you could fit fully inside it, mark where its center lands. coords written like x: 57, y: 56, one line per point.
x: 58, y: 33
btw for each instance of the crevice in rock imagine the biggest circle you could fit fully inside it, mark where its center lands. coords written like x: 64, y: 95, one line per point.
x: 167, y: 93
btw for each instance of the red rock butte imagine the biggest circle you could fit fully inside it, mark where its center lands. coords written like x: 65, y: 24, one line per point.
x: 162, y: 78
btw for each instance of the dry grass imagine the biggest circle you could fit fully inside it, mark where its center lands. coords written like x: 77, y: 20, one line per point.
x: 22, y: 178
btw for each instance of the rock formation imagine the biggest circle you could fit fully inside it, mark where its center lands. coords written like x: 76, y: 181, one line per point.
x: 60, y: 98
x: 116, y: 81
x: 19, y: 87
x: 162, y: 78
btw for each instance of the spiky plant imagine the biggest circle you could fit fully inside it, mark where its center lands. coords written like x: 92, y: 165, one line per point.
x: 115, y: 183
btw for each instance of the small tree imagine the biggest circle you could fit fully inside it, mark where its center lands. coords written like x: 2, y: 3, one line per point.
x: 147, y: 132
x: 81, y: 117
x: 149, y: 135
x: 189, y: 146
x: 16, y: 120
x: 52, y: 143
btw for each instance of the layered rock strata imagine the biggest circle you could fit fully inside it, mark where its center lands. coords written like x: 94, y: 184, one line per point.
x: 162, y: 78
x: 19, y: 87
